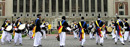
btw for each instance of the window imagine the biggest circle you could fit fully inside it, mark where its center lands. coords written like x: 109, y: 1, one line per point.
x: 80, y: 5
x: 33, y: 5
x: 21, y: 5
x: 27, y: 5
x: 53, y: 5
x: 99, y: 5
x: 121, y: 6
x: 92, y: 5
x: 60, y: 5
x: 121, y: 12
x: 14, y: 5
x: 73, y: 5
x: 86, y: 5
x: 46, y: 5
x: 66, y: 5
x: 40, y: 5
x: 105, y: 5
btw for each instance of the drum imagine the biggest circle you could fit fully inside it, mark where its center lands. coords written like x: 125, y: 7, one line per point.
x: 22, y: 27
x: 109, y: 29
x: 9, y: 28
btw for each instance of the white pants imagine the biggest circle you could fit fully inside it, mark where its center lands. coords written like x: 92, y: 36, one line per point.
x: 62, y: 38
x: 9, y: 37
x: 98, y: 38
x: 121, y: 38
x: 30, y: 33
x: 75, y: 34
x: 83, y: 40
x: 18, y: 37
x: 44, y: 33
x: 113, y: 34
x: 4, y: 35
x: 37, y: 39
x: 126, y: 35
x: 91, y: 35
x: 104, y: 34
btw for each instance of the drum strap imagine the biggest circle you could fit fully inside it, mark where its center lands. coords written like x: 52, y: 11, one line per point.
x: 119, y: 29
x: 99, y: 29
x: 61, y: 27
x: 81, y: 31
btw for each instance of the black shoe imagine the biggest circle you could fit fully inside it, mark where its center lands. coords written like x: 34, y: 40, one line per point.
x: 82, y: 46
x: 115, y: 42
x: 129, y: 41
x: 97, y: 43
x: 61, y: 46
x: 124, y: 40
x: 20, y: 44
x: 36, y: 46
x: 101, y: 44
x: 40, y: 45
x: 122, y: 43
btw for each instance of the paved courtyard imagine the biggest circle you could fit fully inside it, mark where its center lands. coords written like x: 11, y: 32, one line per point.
x: 70, y: 42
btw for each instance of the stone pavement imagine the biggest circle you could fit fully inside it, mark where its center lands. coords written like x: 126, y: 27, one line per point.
x: 70, y: 42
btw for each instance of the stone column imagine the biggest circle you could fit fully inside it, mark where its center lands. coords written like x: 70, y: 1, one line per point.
x: 18, y: 7
x: 96, y: 12
x: 102, y: 7
x: 43, y: 8
x: 70, y: 7
x: 50, y: 8
x: 57, y: 8
x: 24, y: 8
x: 77, y: 8
x: 63, y: 8
x: 90, y: 8
x: 30, y: 7
x: 83, y: 7
x: 37, y: 6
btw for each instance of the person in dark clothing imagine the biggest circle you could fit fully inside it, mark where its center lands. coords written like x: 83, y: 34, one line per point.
x: 82, y: 27
x: 62, y: 33
x: 18, y: 33
x: 119, y: 26
x: 99, y: 35
x: 126, y: 27
x: 31, y: 26
x: 38, y: 33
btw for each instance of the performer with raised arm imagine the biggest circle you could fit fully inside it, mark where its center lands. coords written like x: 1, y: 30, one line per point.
x: 75, y: 29
x: 18, y: 33
x: 99, y: 35
x: 5, y: 32
x: 43, y: 28
x: 119, y: 27
x: 126, y: 27
x: 64, y: 27
x: 82, y: 26
x: 31, y: 29
x: 113, y: 29
x: 38, y: 33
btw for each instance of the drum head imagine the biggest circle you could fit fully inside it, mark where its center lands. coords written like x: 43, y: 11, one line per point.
x: 21, y: 27
x: 109, y: 29
x: 9, y: 28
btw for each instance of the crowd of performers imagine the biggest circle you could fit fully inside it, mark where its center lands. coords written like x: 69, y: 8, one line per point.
x: 36, y: 29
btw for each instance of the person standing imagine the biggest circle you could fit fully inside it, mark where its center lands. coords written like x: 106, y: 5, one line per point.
x: 31, y: 29
x: 64, y: 27
x: 99, y: 33
x: 38, y: 33
x: 5, y: 33
x: 18, y: 33
x: 82, y: 26
x: 126, y: 27
x: 119, y: 26
x: 75, y: 29
x: 43, y: 28
x: 113, y: 29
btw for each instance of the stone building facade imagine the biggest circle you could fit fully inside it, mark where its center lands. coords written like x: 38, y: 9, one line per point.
x: 53, y: 10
